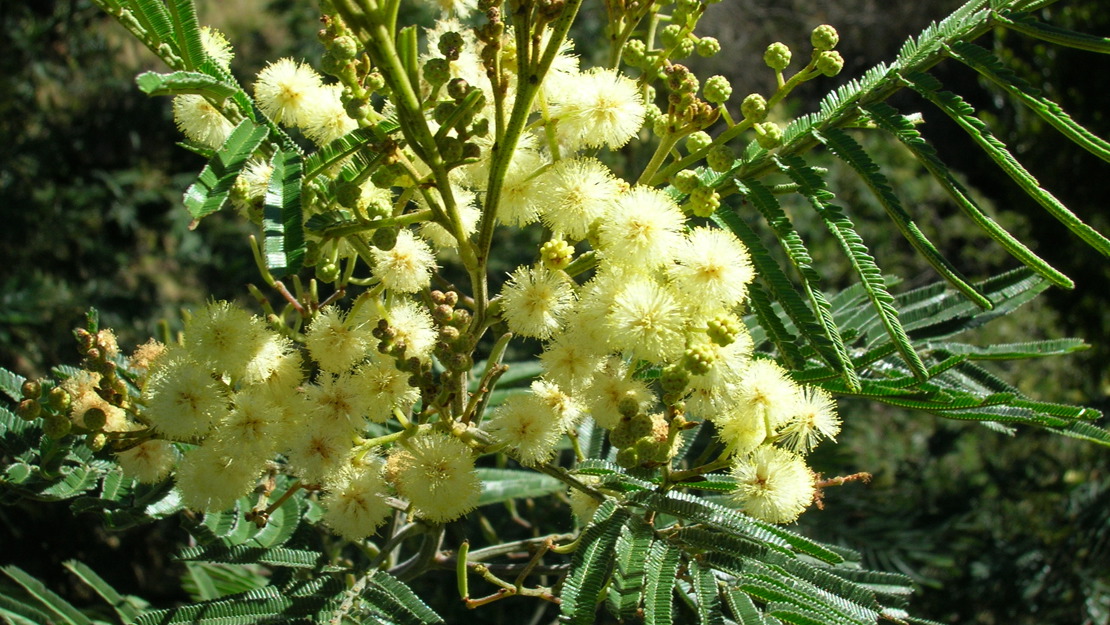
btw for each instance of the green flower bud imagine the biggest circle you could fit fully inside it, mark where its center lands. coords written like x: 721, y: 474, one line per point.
x: 450, y: 148
x: 457, y: 88
x: 443, y: 112
x: 634, y: 52
x: 348, y: 193
x: 331, y: 65
x: 686, y: 181
x: 621, y: 436
x: 327, y: 272
x: 437, y: 71
x: 57, y: 427
x: 29, y: 409
x: 830, y: 63
x: 723, y: 329
x: 768, y: 135
x: 628, y: 406
x: 450, y: 45
x: 717, y: 89
x: 824, y: 37
x: 384, y: 176
x: 777, y: 56
x: 58, y: 400
x: 384, y: 238
x: 684, y: 49
x: 94, y: 419
x: 669, y: 35
x: 640, y: 425
x: 96, y: 442
x: 357, y: 109
x: 31, y: 389
x: 754, y: 107
x: 374, y: 82
x: 698, y: 359
x: 708, y: 46
x: 703, y: 202
x: 344, y: 48
x: 698, y: 141
x: 650, y: 450
x: 628, y: 458
x: 471, y: 149
x: 720, y: 158
x: 674, y: 379
x: 556, y: 254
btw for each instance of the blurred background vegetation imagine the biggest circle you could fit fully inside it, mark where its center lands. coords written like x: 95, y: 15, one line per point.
x: 994, y: 529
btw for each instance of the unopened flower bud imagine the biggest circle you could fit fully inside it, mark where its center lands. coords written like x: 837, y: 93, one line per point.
x: 57, y: 427
x: 556, y: 254
x: 29, y: 409
x: 686, y: 181
x: 669, y: 35
x: 96, y: 442
x: 94, y: 419
x: 754, y: 107
x: 457, y: 88
x: 777, y: 56
x: 768, y: 135
x: 708, y: 46
x: 824, y: 37
x: 698, y: 141
x: 384, y: 238
x: 628, y: 406
x: 450, y: 45
x: 344, y: 47
x: 720, y: 158
x: 31, y: 389
x: 58, y: 400
x: 348, y: 193
x: 717, y: 89
x: 437, y: 71
x: 634, y: 51
x: 830, y: 63
x: 628, y: 458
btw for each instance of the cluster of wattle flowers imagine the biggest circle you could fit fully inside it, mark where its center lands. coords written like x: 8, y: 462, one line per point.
x: 636, y: 300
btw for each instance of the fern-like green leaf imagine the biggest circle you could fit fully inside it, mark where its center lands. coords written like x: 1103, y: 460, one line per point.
x: 186, y: 32
x: 991, y: 68
x: 632, y: 549
x: 247, y: 554
x: 397, y: 601
x: 11, y: 384
x: 267, y: 604
x: 963, y: 114
x: 662, y: 568
x: 123, y: 607
x: 211, y: 190
x: 852, y: 153
x: 771, y: 327
x: 1029, y: 25
x: 762, y: 198
x: 707, y: 593
x: 887, y: 118
x: 592, y: 564
x: 743, y: 608
x: 812, y: 187
x: 155, y: 84
x: 155, y: 20
x: 282, y: 222
x: 500, y: 485
x: 49, y: 600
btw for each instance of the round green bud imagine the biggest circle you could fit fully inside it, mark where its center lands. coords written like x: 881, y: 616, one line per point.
x: 94, y: 419
x: 698, y: 141
x: 384, y: 176
x: 684, y: 49
x: 327, y: 272
x: 442, y: 313
x: 621, y: 436
x: 723, y: 329
x: 344, y: 47
x: 768, y: 135
x: 699, y: 359
x: 56, y: 427
x: 669, y: 35
x: 777, y: 56
x: 628, y: 406
x: 650, y: 450
x: 450, y: 45
x: 31, y: 389
x: 703, y: 202
x: 686, y: 181
x: 331, y: 65
x: 374, y: 82
x: 357, y: 109
x: 708, y: 46
x: 628, y: 458
x: 824, y: 37
x: 443, y: 112
x: 556, y: 254
x: 348, y: 193
x: 717, y: 89
x: 437, y: 71
x: 830, y: 62
x: 29, y: 409
x: 457, y: 88
x: 674, y: 379
x: 754, y: 107
x: 471, y: 150
x: 634, y: 52
x: 659, y: 126
x: 58, y: 400
x: 450, y: 148
x: 720, y: 158
x: 96, y: 442
x: 640, y: 425
x: 480, y: 128
x: 384, y: 238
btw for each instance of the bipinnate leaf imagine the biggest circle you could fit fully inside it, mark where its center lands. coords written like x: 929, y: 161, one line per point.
x: 282, y: 221
x: 212, y: 188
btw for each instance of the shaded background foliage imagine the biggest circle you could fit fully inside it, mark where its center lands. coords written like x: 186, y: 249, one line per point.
x: 995, y: 530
